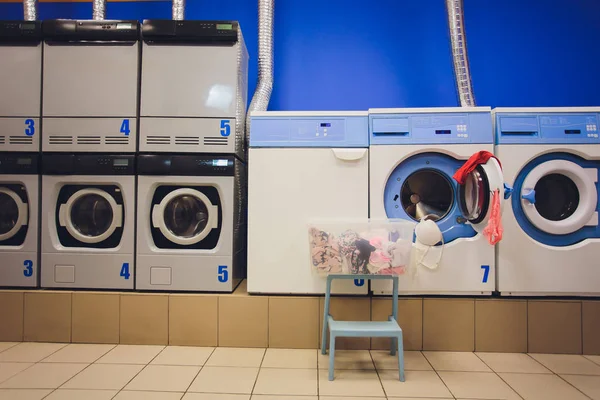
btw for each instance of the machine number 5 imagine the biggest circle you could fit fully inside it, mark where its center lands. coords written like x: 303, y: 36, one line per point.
x: 486, y: 273
x: 225, y: 127
x: 223, y: 274
x: 28, y: 271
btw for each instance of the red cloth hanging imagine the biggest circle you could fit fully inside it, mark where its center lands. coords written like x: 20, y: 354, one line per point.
x: 493, y: 231
x: 476, y: 159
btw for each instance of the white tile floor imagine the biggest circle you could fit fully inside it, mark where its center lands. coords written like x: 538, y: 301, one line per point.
x: 33, y: 371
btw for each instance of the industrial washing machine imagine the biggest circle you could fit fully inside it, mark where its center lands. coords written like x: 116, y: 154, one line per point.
x: 303, y: 166
x: 20, y: 85
x: 414, y: 154
x: 551, y: 231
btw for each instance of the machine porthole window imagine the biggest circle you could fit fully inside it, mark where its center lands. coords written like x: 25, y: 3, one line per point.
x: 91, y: 215
x: 9, y: 213
x: 556, y: 197
x: 427, y: 193
x: 186, y: 216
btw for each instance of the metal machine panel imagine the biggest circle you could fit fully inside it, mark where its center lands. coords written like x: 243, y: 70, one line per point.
x: 103, y: 135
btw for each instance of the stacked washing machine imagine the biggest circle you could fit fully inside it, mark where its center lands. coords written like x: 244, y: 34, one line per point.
x: 191, y: 165
x: 90, y: 86
x: 20, y: 96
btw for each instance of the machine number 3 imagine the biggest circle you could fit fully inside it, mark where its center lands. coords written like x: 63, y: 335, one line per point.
x: 30, y: 127
x: 486, y: 273
x: 223, y: 274
x: 28, y: 271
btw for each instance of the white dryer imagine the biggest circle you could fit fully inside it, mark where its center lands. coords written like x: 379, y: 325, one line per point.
x: 414, y: 154
x: 190, y: 222
x: 551, y: 231
x: 88, y: 221
x: 303, y: 166
x: 19, y: 210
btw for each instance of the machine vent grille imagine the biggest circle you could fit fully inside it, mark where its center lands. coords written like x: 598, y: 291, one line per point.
x: 88, y: 139
x: 60, y: 140
x: 215, y: 141
x: 2, y: 139
x: 187, y: 140
x: 163, y: 140
x: 124, y: 140
x: 20, y: 140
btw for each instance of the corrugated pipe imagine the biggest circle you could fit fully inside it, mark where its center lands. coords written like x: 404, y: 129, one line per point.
x: 458, y: 40
x: 264, y: 87
x: 29, y: 10
x: 178, y: 10
x: 99, y: 10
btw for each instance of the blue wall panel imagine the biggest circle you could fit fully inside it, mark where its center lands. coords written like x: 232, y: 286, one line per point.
x: 352, y: 55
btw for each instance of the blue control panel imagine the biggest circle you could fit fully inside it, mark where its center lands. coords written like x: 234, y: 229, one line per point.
x: 550, y: 128
x: 309, y: 131
x: 431, y: 128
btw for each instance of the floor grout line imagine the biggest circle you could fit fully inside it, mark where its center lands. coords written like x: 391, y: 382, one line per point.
x: 498, y: 375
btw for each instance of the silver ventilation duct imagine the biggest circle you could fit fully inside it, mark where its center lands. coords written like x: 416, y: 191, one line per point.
x: 178, y: 10
x: 458, y: 40
x: 264, y: 86
x: 29, y: 10
x: 98, y: 10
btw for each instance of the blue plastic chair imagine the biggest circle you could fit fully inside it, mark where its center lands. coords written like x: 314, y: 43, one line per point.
x: 389, y: 328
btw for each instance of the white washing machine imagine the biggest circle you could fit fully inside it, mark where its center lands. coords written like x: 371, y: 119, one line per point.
x: 190, y: 223
x: 19, y: 211
x: 551, y: 239
x: 303, y: 166
x: 88, y: 220
x: 413, y: 155
x: 20, y: 85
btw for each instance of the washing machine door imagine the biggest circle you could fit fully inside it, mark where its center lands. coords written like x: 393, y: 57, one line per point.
x: 185, y: 216
x: 475, y: 195
x: 91, y: 215
x: 560, y: 197
x: 13, y: 213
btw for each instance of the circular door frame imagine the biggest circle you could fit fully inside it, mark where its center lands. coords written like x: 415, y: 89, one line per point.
x: 22, y: 217
x: 492, y: 173
x: 64, y: 215
x: 158, y: 219
x: 588, y: 197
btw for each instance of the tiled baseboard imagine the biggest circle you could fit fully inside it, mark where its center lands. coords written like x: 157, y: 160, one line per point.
x: 242, y: 320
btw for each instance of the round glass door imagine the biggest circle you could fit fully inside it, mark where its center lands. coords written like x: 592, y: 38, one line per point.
x: 474, y: 196
x: 427, y: 193
x: 557, y: 197
x: 13, y: 213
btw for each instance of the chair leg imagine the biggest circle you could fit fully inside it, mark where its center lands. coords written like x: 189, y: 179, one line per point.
x: 400, y: 357
x: 393, y: 346
x: 331, y: 355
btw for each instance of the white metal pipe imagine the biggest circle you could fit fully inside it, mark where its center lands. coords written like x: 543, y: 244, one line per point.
x: 29, y: 10
x: 458, y: 40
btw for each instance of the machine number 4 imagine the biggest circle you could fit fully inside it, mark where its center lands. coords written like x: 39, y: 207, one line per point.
x: 486, y: 273
x: 223, y: 274
x: 28, y: 271
x: 125, y: 271
x: 225, y: 127
x: 30, y: 127
x: 125, y: 127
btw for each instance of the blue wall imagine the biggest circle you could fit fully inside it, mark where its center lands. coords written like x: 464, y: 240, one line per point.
x: 352, y: 55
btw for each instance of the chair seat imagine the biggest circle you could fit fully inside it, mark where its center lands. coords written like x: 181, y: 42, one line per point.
x: 364, y: 328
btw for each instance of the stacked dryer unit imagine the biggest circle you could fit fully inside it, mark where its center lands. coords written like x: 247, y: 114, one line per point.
x: 192, y: 175
x: 20, y: 96
x: 551, y: 230
x: 90, y: 85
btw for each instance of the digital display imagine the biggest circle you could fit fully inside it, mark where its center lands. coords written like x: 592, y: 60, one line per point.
x: 28, y: 26
x: 219, y: 163
x: 120, y: 162
x: 325, y: 124
x: 23, y: 161
x: 225, y: 26
x: 572, y: 131
x: 123, y: 26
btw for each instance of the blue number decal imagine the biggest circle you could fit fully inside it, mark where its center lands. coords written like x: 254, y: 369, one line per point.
x: 225, y: 128
x: 359, y: 282
x: 125, y: 271
x: 28, y: 271
x: 125, y: 127
x: 486, y: 272
x: 30, y: 129
x: 223, y: 274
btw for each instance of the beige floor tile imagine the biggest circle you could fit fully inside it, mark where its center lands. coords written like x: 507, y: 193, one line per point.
x: 350, y: 383
x: 595, y: 359
x: 76, y: 394
x: 7, y: 345
x: 590, y: 385
x: 103, y: 377
x: 23, y: 394
x: 141, y: 395
x: 30, y: 352
x: 286, y: 381
x: 290, y: 358
x: 215, y: 396
x: 278, y: 397
x: 43, y: 376
x: 424, y: 398
x: 130, y: 354
x: 8, y: 370
x: 413, y: 361
x: 418, y: 384
x: 541, y: 387
x: 79, y: 353
x: 513, y: 362
x: 236, y: 357
x: 455, y: 361
x: 568, y: 364
x: 183, y: 355
x: 352, y: 398
x: 233, y: 380
x: 348, y: 359
x: 164, y: 378
x: 477, y: 385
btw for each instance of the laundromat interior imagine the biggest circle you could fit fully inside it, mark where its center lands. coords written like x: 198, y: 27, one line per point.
x: 282, y: 199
